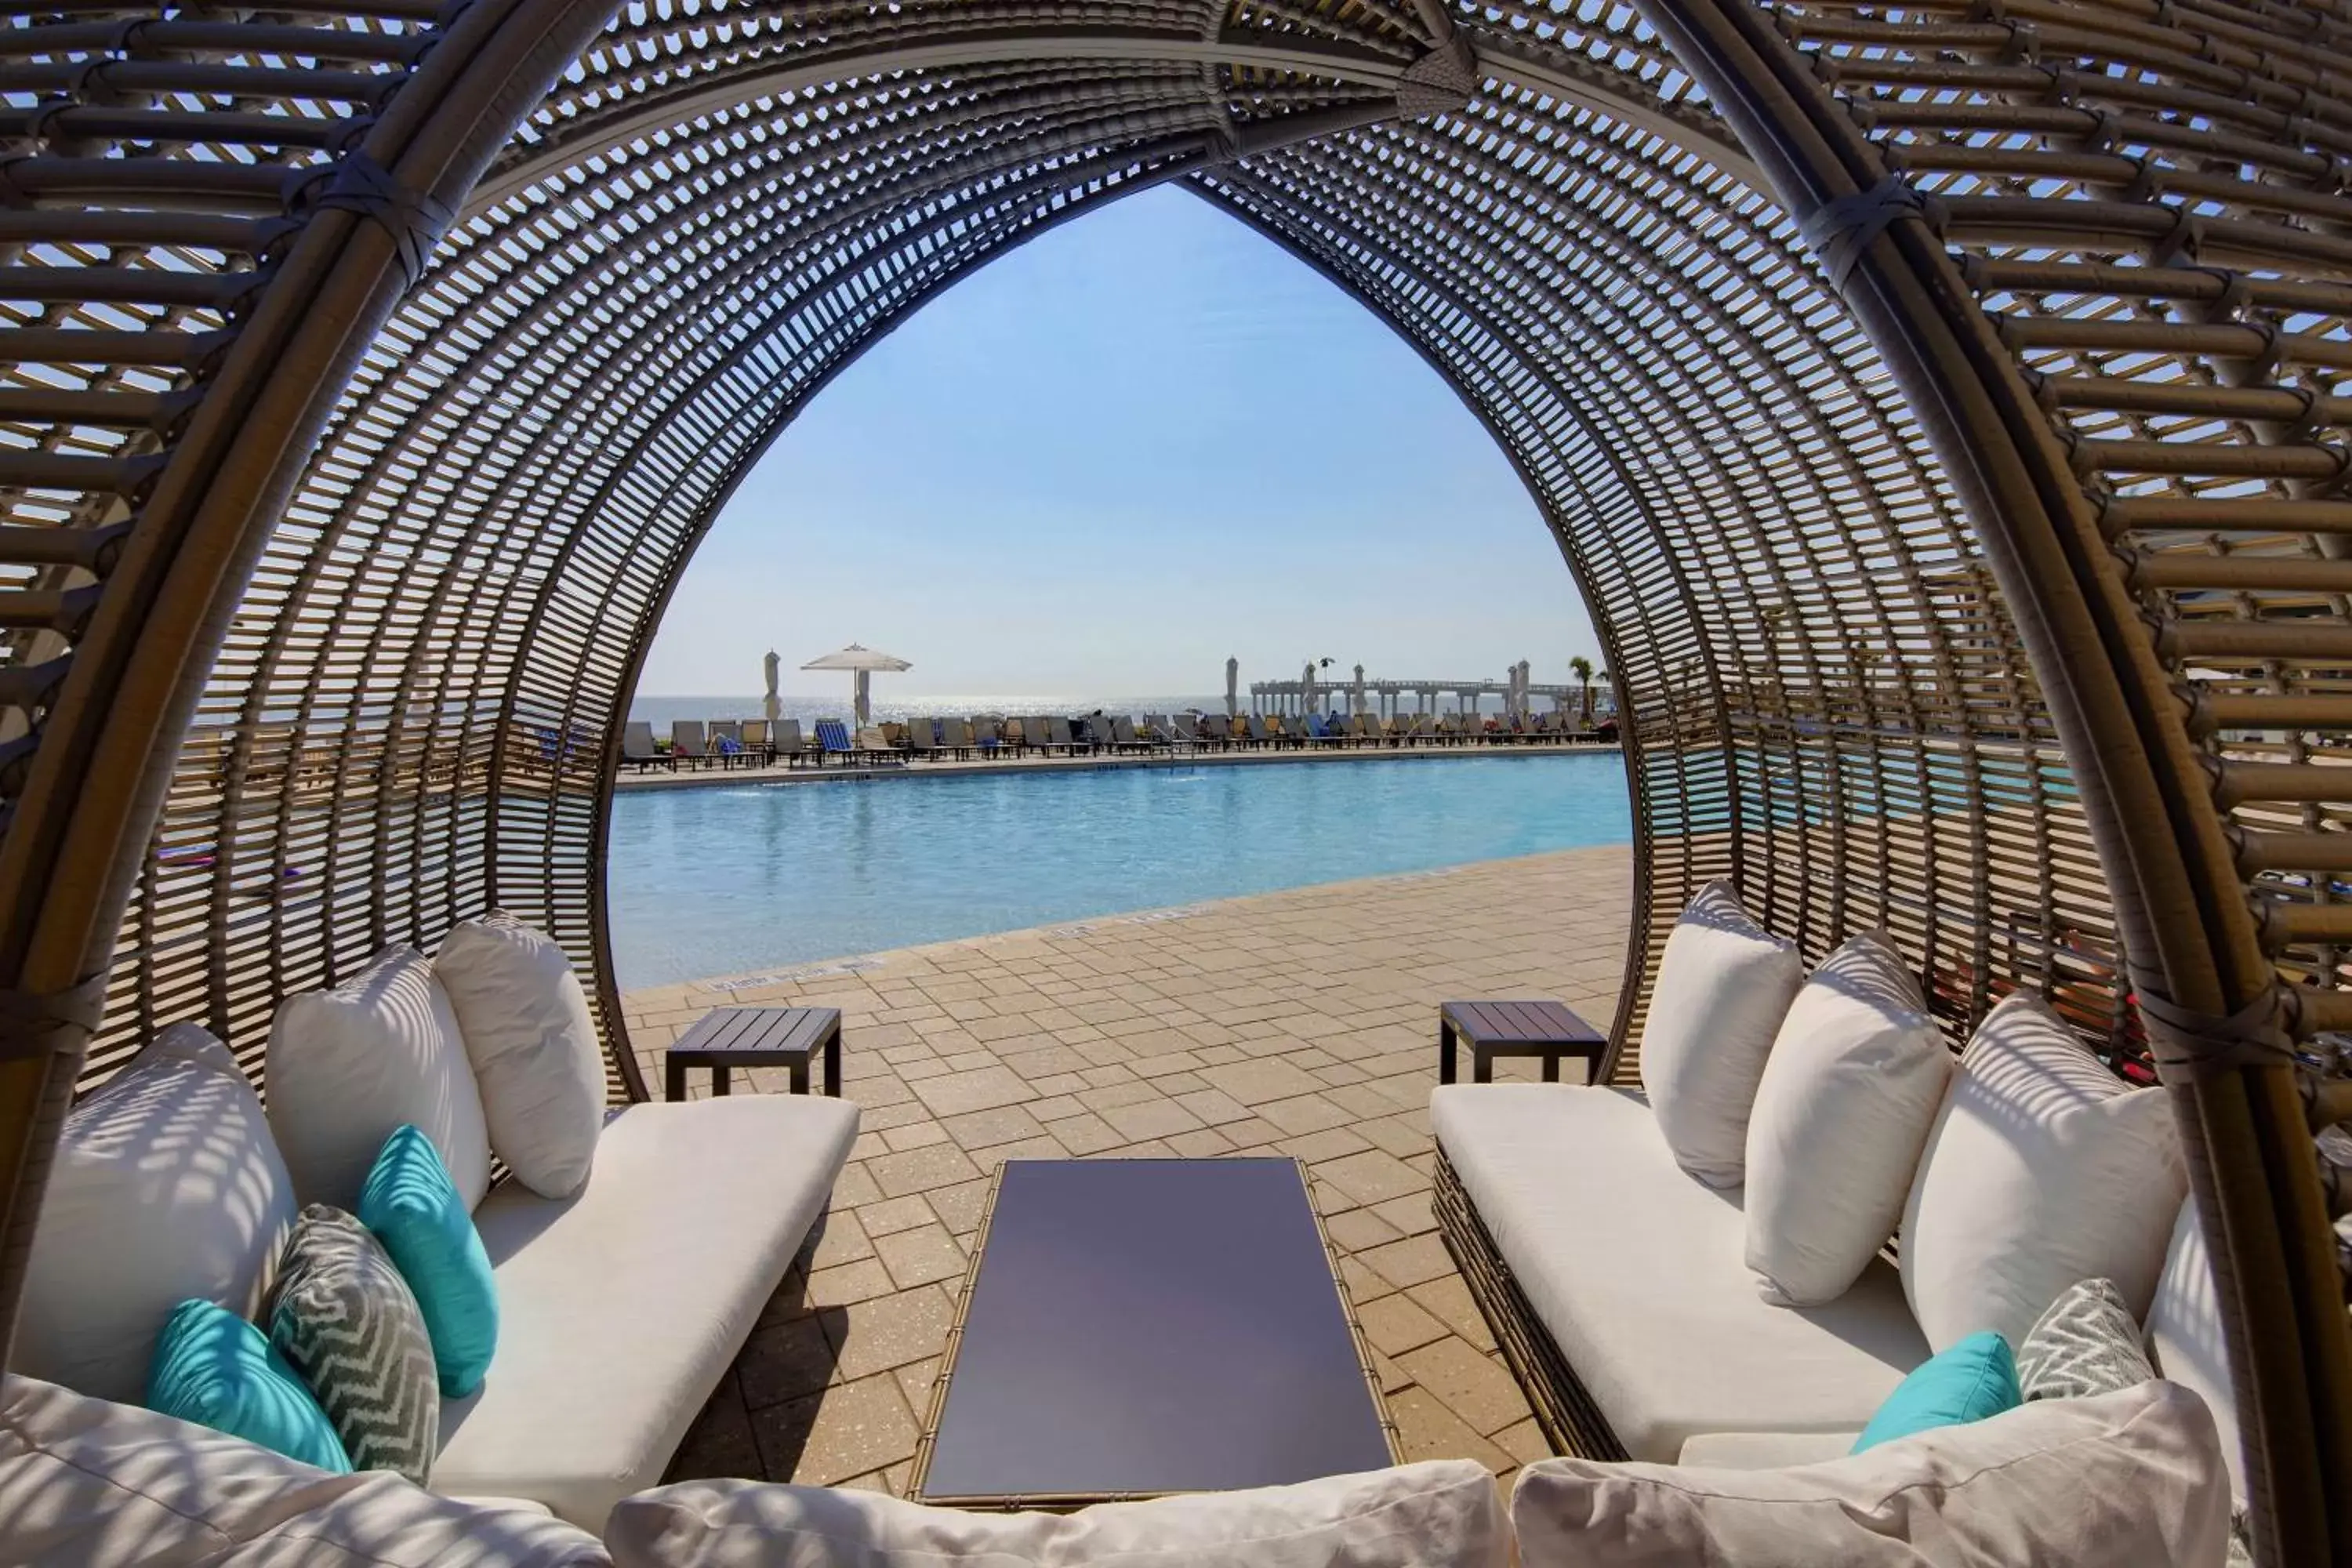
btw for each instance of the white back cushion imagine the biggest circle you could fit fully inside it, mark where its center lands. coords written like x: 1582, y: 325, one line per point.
x: 2043, y: 1168
x: 1853, y: 1084
x: 348, y: 1066
x: 84, y: 1482
x: 1724, y: 985
x: 1441, y: 1513
x: 167, y: 1185
x: 2129, y: 1479
x: 2184, y: 1334
x: 527, y: 1031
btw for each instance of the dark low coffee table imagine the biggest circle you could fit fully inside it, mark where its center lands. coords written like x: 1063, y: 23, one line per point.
x: 726, y: 1039
x: 1132, y: 1327
x: 1547, y: 1029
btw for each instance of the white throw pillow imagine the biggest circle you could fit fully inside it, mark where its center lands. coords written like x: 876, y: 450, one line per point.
x: 166, y: 1186
x: 1441, y: 1513
x: 1851, y: 1086
x: 2130, y: 1480
x: 348, y: 1066
x: 2044, y: 1168
x: 527, y: 1031
x: 84, y: 1482
x: 1724, y: 985
x: 2185, y: 1338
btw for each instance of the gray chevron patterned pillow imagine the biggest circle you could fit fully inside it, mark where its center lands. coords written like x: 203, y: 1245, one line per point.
x: 346, y: 1320
x: 2086, y: 1343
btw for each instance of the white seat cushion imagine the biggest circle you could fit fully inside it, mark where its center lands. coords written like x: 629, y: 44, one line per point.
x: 1853, y: 1084
x: 349, y: 1065
x: 1441, y: 1513
x: 619, y: 1309
x: 527, y: 1031
x: 1724, y: 985
x: 166, y: 1186
x: 1637, y: 1270
x: 2128, y: 1479
x: 2185, y: 1338
x: 1765, y: 1450
x: 2043, y: 1168
x: 84, y: 1481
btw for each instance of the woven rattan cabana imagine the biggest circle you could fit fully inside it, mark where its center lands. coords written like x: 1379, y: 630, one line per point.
x: 1940, y: 407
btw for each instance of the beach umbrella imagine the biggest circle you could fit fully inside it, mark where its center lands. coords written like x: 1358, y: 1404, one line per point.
x: 1232, y: 688
x: 861, y: 663
x: 1357, y: 702
x: 775, y: 707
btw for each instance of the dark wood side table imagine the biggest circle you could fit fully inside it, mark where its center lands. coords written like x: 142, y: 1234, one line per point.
x: 728, y: 1038
x: 1545, y: 1029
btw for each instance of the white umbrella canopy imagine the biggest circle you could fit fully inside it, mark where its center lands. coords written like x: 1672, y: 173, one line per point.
x: 861, y: 662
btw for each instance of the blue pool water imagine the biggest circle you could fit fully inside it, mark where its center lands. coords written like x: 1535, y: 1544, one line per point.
x: 736, y: 879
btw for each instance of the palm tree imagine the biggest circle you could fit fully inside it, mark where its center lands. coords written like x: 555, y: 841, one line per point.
x: 1582, y: 668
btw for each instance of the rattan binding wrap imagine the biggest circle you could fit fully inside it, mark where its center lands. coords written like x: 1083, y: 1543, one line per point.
x: 369, y: 373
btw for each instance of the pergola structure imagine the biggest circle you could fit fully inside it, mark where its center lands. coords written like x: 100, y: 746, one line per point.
x: 1941, y: 408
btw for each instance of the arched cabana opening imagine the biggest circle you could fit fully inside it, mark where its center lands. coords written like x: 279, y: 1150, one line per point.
x: 1938, y: 409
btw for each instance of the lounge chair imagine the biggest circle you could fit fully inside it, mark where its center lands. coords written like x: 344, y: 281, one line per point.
x: 873, y: 745
x: 685, y: 742
x: 790, y: 745
x: 727, y: 743
x: 955, y: 735
x: 922, y: 737
x: 1187, y: 730
x: 1218, y: 730
x: 758, y: 751
x: 1162, y: 731
x: 833, y: 740
x: 638, y: 750
x: 984, y: 734
x: 1123, y: 737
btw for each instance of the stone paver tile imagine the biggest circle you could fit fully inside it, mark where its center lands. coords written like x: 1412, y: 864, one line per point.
x: 1111, y: 1096
x: 839, y: 1238
x: 786, y: 1361
x: 889, y: 1332
x: 1259, y: 1082
x: 1426, y: 1429
x: 1213, y: 1106
x: 1359, y: 1230
x: 1150, y: 1118
x: 720, y: 1442
x: 916, y: 1135
x: 1395, y: 1325
x: 1305, y: 1114
x: 848, y: 1430
x: 1397, y: 1135
x: 1524, y: 1442
x: 855, y: 1187
x: 1371, y: 1177
x: 920, y: 1169
x: 979, y: 1088
x: 1448, y: 1299
x: 1086, y: 1133
x: 1201, y: 1143
x: 1411, y: 1261
x: 958, y: 1206
x: 1363, y: 1286
x: 894, y: 1214
x: 916, y: 1381
x: 920, y: 1256
x: 1410, y: 1214
x: 984, y: 1129
x: 839, y: 1286
x: 1055, y: 1107
x: 1328, y: 1144
x: 1476, y: 1387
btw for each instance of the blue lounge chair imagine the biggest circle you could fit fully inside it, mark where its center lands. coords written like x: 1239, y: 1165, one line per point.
x: 833, y: 740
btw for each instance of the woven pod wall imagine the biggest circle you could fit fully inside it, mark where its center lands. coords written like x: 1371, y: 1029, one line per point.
x: 417, y: 346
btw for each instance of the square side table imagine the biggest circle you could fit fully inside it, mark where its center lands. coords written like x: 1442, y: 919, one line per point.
x: 728, y: 1038
x: 1545, y: 1029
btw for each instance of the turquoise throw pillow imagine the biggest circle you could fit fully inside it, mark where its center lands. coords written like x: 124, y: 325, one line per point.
x: 213, y: 1368
x: 413, y: 1206
x: 1969, y: 1381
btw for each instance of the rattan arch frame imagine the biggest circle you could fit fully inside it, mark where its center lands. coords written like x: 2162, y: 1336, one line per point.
x: 1940, y: 410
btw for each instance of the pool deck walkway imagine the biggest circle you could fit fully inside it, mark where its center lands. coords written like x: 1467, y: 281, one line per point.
x: 1301, y: 1023
x: 937, y: 767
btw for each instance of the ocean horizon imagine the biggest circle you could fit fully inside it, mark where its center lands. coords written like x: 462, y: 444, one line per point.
x: 660, y: 711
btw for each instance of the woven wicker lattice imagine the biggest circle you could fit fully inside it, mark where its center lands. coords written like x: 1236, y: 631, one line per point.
x: 1939, y: 408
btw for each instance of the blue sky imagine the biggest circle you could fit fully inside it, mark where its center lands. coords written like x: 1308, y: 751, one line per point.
x: 1145, y: 441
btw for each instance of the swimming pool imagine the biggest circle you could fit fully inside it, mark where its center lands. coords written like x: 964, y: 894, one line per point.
x: 729, y: 880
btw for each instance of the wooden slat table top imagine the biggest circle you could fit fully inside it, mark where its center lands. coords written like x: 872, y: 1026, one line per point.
x: 1521, y: 1023
x: 757, y: 1031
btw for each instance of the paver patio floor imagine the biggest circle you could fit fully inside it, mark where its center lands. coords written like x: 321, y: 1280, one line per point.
x: 1301, y: 1023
